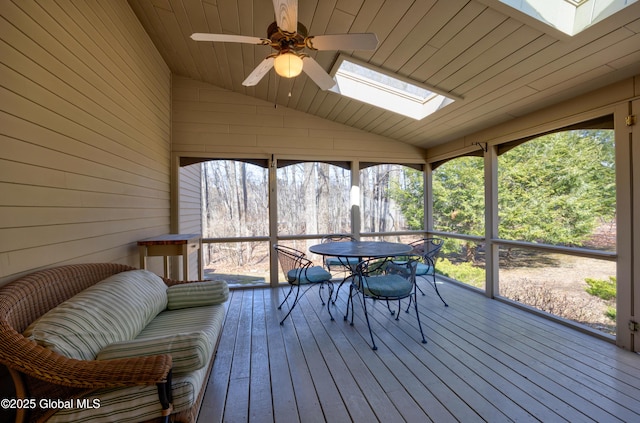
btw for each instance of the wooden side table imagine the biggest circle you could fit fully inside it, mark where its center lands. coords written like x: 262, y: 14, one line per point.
x: 172, y: 245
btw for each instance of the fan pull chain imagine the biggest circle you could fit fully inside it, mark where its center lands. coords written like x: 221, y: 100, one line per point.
x: 275, y: 97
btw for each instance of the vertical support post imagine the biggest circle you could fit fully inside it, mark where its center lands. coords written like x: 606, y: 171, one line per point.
x: 427, y: 181
x: 492, y: 287
x: 173, y: 271
x: 273, y: 220
x: 354, y: 196
x: 628, y: 233
x: 635, y: 248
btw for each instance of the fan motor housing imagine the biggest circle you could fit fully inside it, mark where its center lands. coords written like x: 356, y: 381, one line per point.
x: 284, y: 41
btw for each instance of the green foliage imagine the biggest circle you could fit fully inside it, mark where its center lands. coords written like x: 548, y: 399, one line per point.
x: 611, y: 313
x: 458, y: 196
x: 552, y: 189
x: 603, y: 289
x: 408, y: 193
x: 465, y: 272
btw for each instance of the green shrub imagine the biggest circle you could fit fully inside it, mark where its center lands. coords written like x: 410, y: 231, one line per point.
x: 464, y: 272
x: 602, y: 288
x: 611, y: 313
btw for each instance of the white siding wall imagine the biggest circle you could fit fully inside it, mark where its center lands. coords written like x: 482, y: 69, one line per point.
x: 84, y: 135
x: 190, y: 193
x: 214, y: 122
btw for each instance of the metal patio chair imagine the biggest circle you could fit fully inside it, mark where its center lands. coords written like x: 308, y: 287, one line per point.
x: 299, y: 270
x: 384, y: 279
x: 428, y: 249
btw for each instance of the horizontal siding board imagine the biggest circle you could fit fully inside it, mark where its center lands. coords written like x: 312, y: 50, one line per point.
x: 115, y: 244
x: 26, y: 216
x: 146, y: 92
x: 31, y: 237
x: 66, y: 117
x: 85, y: 128
x: 74, y: 57
x: 32, y: 196
x: 267, y: 130
x: 45, y: 147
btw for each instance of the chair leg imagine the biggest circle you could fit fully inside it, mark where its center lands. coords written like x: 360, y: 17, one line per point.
x: 286, y: 296
x: 424, y: 340
x: 392, y: 312
x: 349, y: 302
x: 435, y: 286
x: 320, y: 293
x: 330, y: 286
x: 398, y: 313
x: 340, y: 286
x: 410, y: 300
x: 295, y: 301
x: 366, y: 315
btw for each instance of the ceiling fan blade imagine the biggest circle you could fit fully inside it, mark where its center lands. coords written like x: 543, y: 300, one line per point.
x: 366, y: 41
x: 286, y: 14
x: 317, y: 74
x: 229, y: 38
x: 259, y: 72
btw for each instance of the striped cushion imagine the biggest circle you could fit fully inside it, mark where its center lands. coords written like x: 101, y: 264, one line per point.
x: 115, y: 309
x: 141, y: 403
x: 207, y: 319
x: 196, y: 294
x: 134, y: 403
x: 190, y: 350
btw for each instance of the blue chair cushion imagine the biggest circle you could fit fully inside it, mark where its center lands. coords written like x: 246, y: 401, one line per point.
x: 342, y: 261
x: 392, y: 286
x: 312, y: 275
x: 423, y: 269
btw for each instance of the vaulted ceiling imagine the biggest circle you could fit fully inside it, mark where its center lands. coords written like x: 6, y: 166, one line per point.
x: 501, y: 62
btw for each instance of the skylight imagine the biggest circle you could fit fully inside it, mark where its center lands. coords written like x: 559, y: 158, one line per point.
x: 362, y: 82
x: 569, y: 16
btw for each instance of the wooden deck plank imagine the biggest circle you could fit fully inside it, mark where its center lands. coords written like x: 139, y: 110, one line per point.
x: 216, y: 393
x: 484, y: 361
x: 281, y: 388
x: 504, y: 371
x: 237, y: 407
x: 584, y: 386
x: 370, y: 393
x: 260, y: 405
x: 308, y: 403
x: 313, y: 339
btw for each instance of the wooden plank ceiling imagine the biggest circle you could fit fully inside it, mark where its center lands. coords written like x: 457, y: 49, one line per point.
x: 501, y: 62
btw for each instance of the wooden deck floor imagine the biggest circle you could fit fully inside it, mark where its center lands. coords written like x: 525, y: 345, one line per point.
x: 484, y: 361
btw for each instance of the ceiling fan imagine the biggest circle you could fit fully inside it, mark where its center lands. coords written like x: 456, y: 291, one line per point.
x: 289, y: 37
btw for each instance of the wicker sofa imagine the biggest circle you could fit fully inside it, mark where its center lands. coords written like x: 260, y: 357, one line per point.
x: 107, y: 342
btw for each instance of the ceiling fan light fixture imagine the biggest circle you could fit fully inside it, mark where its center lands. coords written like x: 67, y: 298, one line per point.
x: 288, y: 65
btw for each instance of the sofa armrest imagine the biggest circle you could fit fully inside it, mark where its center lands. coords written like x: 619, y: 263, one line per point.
x: 26, y: 356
